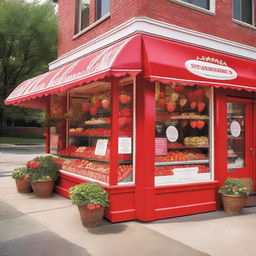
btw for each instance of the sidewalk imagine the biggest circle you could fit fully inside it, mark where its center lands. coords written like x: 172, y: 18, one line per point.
x: 54, y: 224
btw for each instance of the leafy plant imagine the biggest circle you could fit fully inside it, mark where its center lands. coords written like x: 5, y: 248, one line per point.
x: 43, y: 168
x: 90, y: 194
x: 20, y: 173
x: 234, y: 187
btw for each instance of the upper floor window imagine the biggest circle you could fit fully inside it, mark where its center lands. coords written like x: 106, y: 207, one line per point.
x: 243, y: 10
x: 83, y: 11
x: 200, y: 3
x: 102, y: 8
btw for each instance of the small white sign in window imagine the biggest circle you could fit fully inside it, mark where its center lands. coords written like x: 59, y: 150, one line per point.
x: 101, y: 147
x: 172, y: 133
x: 235, y: 129
x: 124, y: 145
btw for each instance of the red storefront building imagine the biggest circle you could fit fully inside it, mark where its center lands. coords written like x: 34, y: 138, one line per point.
x: 155, y: 100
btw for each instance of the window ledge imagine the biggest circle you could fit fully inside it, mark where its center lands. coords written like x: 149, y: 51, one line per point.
x: 244, y: 24
x: 194, y: 7
x: 91, y: 26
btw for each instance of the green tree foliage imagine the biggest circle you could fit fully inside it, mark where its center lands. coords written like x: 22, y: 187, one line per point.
x: 28, y: 42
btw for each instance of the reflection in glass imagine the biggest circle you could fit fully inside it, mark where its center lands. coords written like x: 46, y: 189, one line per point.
x: 235, y: 135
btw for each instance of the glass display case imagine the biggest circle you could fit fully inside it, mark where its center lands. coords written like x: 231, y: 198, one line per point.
x: 89, y: 118
x: 182, y: 134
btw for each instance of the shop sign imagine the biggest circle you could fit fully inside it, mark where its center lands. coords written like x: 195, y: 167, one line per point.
x: 235, y: 129
x: 160, y: 146
x: 124, y: 145
x: 101, y: 147
x: 172, y: 133
x: 210, y: 68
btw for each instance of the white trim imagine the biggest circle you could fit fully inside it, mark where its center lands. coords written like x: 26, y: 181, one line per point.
x: 211, y: 11
x: 239, y: 22
x: 94, y: 24
x: 202, y: 82
x: 83, y: 177
x: 156, y: 28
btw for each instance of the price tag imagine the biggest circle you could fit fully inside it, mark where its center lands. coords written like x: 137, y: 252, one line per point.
x: 160, y: 146
x: 124, y: 145
x: 101, y: 147
x: 172, y: 133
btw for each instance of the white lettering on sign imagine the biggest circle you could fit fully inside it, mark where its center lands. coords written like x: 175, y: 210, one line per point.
x: 235, y: 129
x: 210, y: 70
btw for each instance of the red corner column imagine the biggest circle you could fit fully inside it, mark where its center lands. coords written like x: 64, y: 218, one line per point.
x: 145, y: 150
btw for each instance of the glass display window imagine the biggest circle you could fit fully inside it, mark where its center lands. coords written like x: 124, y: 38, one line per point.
x: 182, y: 134
x: 89, y: 136
x: 125, y: 133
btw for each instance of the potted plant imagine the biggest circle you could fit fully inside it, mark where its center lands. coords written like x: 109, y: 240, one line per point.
x: 91, y: 200
x: 234, y: 195
x: 21, y: 177
x: 43, y: 172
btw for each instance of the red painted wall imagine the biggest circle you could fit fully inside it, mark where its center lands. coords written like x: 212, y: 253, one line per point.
x: 219, y: 24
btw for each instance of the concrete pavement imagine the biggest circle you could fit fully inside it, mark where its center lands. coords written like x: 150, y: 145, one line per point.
x: 30, y: 226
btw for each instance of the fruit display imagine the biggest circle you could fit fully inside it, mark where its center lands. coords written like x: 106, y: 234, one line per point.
x: 189, y: 115
x: 168, y: 170
x: 90, y: 132
x: 196, y: 141
x: 181, y: 155
x: 100, y: 120
x: 97, y: 171
x: 89, y: 152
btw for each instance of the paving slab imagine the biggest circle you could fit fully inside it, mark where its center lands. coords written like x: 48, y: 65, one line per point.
x: 216, y: 233
x: 126, y: 239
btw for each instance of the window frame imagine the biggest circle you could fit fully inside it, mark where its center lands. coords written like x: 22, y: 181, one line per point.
x: 96, y: 3
x: 78, y: 23
x: 212, y: 4
x: 244, y: 22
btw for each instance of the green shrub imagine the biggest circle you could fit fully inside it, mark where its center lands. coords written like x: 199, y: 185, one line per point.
x: 43, y: 168
x: 19, y: 173
x: 234, y: 187
x: 89, y: 192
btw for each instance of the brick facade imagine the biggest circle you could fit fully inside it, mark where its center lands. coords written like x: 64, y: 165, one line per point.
x: 219, y: 24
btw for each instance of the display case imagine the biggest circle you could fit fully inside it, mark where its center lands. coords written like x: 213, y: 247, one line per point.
x: 182, y: 134
x: 89, y: 122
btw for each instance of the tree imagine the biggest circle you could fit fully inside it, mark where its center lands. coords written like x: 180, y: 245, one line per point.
x: 28, y: 42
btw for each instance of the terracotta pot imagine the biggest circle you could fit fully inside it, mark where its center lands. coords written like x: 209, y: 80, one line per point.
x: 91, y: 218
x: 43, y: 188
x: 233, y: 203
x: 23, y: 186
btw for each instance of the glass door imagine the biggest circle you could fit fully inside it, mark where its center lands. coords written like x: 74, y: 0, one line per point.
x: 240, y: 149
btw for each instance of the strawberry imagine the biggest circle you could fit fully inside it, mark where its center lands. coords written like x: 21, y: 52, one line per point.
x: 97, y: 206
x: 105, y: 103
x: 200, y: 106
x: 161, y: 103
x: 97, y: 103
x: 193, y: 124
x: 126, y: 112
x: 124, y: 99
x: 200, y: 124
x: 93, y: 111
x: 161, y: 95
x: 193, y: 105
x: 171, y: 106
x: 91, y: 206
x: 199, y: 93
x: 85, y: 106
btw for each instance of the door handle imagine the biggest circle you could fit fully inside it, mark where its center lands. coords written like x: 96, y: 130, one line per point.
x: 251, y: 150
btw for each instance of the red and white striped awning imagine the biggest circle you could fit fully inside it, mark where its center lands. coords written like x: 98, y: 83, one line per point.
x: 123, y: 58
